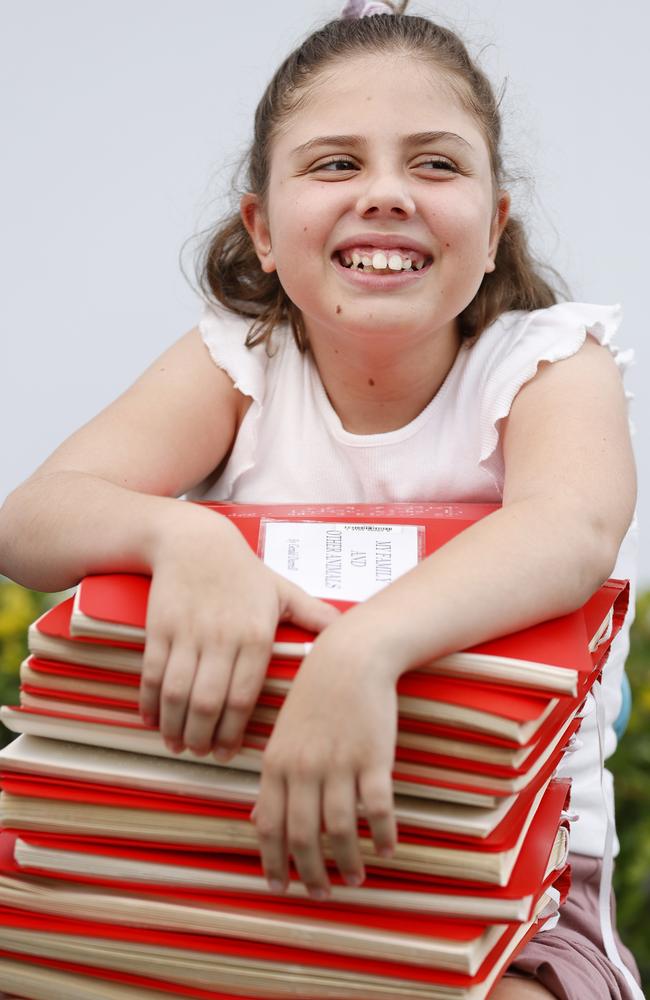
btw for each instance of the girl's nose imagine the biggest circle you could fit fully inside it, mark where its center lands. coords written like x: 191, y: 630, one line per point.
x: 386, y: 195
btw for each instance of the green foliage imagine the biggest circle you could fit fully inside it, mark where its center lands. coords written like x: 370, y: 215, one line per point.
x: 18, y: 609
x: 631, y: 767
x: 630, y: 764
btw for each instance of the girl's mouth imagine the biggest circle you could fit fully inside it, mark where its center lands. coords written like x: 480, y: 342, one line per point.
x: 378, y: 269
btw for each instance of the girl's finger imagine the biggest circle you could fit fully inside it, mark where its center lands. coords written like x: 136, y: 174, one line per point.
x: 303, y: 609
x: 246, y: 682
x: 340, y: 818
x: 154, y: 660
x: 207, y: 699
x: 376, y: 794
x: 269, y: 819
x: 304, y: 834
x: 175, y: 694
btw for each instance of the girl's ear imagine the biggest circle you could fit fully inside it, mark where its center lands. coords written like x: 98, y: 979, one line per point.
x: 254, y: 219
x: 501, y: 215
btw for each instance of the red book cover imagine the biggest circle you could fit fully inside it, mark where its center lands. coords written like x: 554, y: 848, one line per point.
x: 502, y: 838
x: 534, y: 715
x: 527, y: 879
x: 412, y: 778
x: 126, y: 605
x: 456, y: 755
x: 402, y: 923
x: 70, y: 975
x: 288, y: 957
x: 561, y: 644
x: 129, y: 683
x: 492, y: 707
x: 50, y: 636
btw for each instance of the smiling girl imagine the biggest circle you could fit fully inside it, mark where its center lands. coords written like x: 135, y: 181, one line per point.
x: 375, y: 330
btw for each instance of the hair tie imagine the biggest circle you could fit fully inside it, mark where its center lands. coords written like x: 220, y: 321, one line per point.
x: 363, y: 8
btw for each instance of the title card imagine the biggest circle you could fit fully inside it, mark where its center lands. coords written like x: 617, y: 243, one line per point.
x: 347, y: 562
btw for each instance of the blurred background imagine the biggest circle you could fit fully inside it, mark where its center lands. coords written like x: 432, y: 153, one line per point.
x: 122, y: 124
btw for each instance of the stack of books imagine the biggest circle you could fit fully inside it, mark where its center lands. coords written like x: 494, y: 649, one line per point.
x: 128, y: 872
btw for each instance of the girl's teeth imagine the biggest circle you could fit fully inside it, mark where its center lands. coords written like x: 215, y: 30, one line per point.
x: 379, y: 261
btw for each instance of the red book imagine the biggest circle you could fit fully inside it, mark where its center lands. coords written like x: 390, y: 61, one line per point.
x: 491, y: 709
x: 50, y: 638
x: 192, y: 963
x: 364, y: 932
x: 509, y: 713
x: 44, y: 804
x: 549, y: 656
x: 133, y: 781
x: 412, y: 747
x: 409, y: 778
x: 183, y: 780
x: 221, y: 877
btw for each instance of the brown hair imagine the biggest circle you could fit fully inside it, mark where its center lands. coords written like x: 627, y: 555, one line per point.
x: 228, y: 267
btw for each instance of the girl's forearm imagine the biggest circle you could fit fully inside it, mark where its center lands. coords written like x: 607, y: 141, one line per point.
x: 525, y: 563
x: 56, y: 528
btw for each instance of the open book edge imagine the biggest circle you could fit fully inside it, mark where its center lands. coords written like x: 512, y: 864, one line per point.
x: 104, y: 957
x: 36, y: 755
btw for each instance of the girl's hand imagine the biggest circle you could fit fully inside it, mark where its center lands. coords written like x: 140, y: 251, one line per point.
x: 211, y: 619
x: 332, y: 746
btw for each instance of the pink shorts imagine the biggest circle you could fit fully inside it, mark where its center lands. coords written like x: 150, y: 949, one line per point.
x: 570, y: 960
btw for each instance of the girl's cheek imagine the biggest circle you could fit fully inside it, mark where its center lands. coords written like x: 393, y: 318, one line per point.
x: 465, y: 230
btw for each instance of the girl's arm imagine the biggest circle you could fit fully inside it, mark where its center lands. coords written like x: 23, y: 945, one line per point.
x: 568, y: 501
x: 100, y: 501
x: 105, y: 501
x: 569, y: 496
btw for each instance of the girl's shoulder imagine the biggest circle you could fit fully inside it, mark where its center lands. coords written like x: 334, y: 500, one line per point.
x: 551, y: 334
x: 509, y: 353
x: 225, y: 335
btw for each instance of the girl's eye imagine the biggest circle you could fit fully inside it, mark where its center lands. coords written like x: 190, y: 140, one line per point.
x: 439, y: 164
x: 345, y: 165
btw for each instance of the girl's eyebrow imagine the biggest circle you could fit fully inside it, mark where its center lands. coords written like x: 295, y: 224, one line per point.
x: 416, y: 139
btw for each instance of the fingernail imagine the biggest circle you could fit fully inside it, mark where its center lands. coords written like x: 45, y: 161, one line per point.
x: 253, y: 814
x: 386, y: 852
x: 353, y: 878
x: 148, y: 720
x: 275, y: 885
x: 173, y: 747
x: 222, y: 754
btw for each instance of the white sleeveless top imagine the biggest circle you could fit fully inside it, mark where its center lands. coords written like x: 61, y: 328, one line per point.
x: 292, y: 448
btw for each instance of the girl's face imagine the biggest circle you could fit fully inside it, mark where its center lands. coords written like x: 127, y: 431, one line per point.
x: 382, y: 157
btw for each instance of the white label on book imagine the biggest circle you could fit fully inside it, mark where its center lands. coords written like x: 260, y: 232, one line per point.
x: 348, y: 562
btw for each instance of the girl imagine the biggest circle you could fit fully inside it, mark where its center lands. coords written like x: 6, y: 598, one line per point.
x: 376, y: 330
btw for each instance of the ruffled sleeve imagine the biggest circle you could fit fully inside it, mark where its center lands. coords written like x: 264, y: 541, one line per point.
x: 224, y: 334
x: 510, y: 361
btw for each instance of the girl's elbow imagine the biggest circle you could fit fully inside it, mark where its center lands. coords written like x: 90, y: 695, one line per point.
x: 604, y: 568
x: 7, y: 533
x: 603, y: 526
x: 588, y: 546
x: 605, y: 544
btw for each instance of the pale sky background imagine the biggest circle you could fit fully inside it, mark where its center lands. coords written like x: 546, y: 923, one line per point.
x: 121, y: 122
